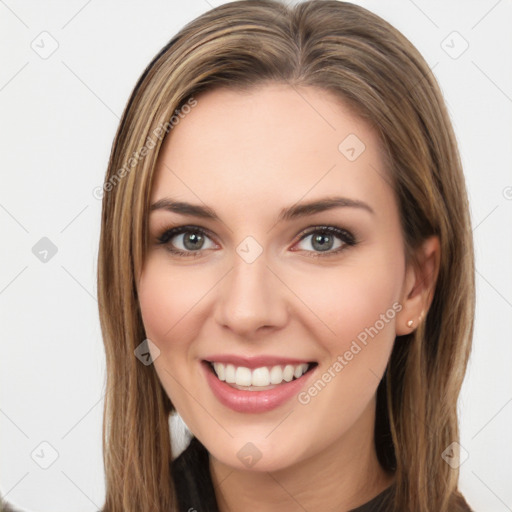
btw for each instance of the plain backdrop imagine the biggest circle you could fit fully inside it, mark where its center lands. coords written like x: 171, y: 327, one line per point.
x: 66, y: 71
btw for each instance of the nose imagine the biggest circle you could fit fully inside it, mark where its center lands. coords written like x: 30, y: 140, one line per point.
x: 251, y: 300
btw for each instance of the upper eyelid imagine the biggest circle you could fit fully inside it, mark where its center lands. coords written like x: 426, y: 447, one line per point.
x: 179, y: 230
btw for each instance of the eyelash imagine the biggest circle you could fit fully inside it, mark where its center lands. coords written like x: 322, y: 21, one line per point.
x: 345, y: 236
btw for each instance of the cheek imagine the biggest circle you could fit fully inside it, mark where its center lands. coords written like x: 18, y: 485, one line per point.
x: 353, y: 299
x: 359, y: 302
x: 167, y: 298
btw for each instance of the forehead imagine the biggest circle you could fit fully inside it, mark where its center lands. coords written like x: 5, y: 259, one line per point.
x: 272, y: 145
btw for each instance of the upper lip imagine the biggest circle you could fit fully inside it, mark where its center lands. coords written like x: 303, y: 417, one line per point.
x: 254, y: 361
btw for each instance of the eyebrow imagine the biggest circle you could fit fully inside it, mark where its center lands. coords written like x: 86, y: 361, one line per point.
x: 292, y: 212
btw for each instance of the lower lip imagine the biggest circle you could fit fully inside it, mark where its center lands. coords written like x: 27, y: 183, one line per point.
x: 254, y: 401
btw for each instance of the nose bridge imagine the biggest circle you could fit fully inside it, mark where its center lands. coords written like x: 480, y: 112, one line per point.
x: 251, y: 297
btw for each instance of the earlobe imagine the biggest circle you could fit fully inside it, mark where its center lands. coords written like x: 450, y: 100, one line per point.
x: 411, y: 323
x: 419, y: 286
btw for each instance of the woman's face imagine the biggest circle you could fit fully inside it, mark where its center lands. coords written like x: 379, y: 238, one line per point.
x: 261, y: 290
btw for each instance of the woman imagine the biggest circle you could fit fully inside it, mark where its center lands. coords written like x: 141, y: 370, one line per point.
x: 286, y: 261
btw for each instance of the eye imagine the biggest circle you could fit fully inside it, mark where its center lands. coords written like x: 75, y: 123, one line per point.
x: 185, y: 240
x: 326, y: 240
x: 190, y: 241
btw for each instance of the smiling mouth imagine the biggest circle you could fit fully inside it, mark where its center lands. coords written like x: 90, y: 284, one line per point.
x: 261, y: 378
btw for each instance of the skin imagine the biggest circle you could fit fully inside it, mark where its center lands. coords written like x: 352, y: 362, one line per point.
x: 247, y: 155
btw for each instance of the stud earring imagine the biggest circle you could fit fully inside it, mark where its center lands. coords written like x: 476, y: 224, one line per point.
x: 409, y: 323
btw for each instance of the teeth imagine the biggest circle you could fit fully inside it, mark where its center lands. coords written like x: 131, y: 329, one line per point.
x: 298, y: 371
x: 229, y: 372
x: 260, y: 377
x: 243, y: 376
x: 288, y: 372
x: 276, y: 375
x: 220, y: 371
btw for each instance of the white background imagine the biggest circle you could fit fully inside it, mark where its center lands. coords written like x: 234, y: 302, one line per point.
x: 58, y: 117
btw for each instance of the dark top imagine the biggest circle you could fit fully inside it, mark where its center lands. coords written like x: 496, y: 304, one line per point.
x: 194, y: 485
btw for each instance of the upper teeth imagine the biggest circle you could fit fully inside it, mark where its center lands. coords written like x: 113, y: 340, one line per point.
x: 263, y: 376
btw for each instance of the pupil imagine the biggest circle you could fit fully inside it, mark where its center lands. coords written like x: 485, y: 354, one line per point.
x: 322, y: 242
x: 193, y: 241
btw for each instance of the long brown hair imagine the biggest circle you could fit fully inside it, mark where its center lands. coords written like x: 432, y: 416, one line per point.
x: 349, y: 51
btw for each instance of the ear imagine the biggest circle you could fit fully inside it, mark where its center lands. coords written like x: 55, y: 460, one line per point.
x: 419, y: 286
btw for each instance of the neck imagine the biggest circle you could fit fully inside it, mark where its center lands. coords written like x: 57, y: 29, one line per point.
x: 343, y: 476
